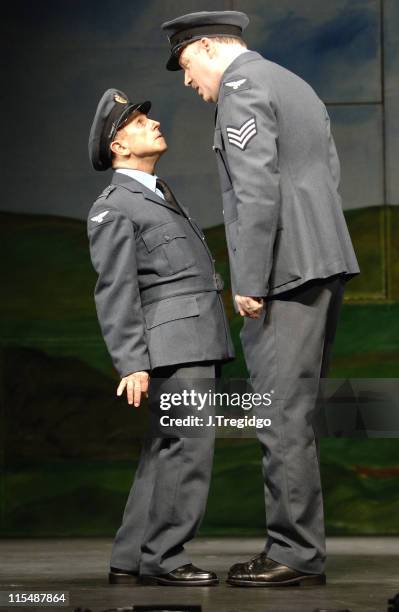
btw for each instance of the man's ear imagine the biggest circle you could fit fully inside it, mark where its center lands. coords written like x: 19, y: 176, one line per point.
x: 118, y: 148
x: 208, y: 46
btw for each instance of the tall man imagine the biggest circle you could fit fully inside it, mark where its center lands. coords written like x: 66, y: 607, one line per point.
x: 290, y: 256
x: 160, y: 310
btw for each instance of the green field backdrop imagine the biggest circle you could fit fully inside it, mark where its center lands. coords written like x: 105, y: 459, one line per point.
x: 69, y: 447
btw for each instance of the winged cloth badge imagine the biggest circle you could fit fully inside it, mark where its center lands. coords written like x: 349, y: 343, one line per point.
x: 99, y: 218
x: 235, y: 84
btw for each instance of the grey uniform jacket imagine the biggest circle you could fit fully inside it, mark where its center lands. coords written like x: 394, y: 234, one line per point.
x: 279, y: 174
x: 157, y: 296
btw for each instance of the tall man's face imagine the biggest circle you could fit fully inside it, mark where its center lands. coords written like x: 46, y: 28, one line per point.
x: 202, y: 71
x: 141, y: 136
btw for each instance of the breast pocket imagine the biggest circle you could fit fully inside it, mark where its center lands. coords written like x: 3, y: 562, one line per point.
x: 168, y: 249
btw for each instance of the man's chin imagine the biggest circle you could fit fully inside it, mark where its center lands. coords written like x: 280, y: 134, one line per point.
x: 201, y: 95
x: 206, y: 98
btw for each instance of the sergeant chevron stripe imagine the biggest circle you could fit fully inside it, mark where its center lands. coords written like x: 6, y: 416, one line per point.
x: 240, y: 137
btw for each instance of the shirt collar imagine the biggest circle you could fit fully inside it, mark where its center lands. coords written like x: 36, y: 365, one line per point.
x: 146, y: 179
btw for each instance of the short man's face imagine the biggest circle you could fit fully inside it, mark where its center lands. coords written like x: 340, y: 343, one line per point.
x: 201, y: 70
x: 142, y: 136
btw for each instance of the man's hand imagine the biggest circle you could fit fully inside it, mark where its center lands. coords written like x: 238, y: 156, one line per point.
x: 249, y: 306
x: 136, y: 384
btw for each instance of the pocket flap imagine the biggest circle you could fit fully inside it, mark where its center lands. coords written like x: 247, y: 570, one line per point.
x: 162, y: 235
x: 170, y: 310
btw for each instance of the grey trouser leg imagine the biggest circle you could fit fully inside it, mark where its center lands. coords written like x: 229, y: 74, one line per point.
x: 168, y: 498
x: 287, y: 350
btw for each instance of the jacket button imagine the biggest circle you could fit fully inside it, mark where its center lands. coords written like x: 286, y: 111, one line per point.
x: 167, y: 238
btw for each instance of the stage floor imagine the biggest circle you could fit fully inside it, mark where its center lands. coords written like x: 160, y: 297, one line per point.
x: 362, y: 573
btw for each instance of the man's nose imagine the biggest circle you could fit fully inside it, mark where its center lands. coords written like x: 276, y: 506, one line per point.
x: 187, y: 79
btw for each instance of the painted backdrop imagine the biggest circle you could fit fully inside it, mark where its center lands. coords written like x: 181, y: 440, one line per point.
x: 68, y: 448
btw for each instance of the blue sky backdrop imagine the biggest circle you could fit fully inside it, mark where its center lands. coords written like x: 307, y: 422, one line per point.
x: 72, y: 51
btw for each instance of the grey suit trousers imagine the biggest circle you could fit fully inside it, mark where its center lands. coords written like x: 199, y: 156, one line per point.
x: 287, y: 350
x: 168, y: 498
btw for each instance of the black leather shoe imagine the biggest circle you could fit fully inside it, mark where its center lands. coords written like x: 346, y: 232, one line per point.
x: 186, y: 575
x: 263, y: 572
x: 120, y: 576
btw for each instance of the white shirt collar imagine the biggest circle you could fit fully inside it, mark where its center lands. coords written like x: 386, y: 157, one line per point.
x: 148, y: 180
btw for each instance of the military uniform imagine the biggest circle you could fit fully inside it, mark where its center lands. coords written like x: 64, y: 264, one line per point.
x: 279, y: 175
x: 159, y: 306
x: 288, y: 243
x: 158, y: 297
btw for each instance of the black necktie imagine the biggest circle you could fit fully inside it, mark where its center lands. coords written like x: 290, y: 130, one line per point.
x: 168, y: 195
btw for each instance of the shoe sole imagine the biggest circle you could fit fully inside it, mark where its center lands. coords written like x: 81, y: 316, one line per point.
x: 122, y: 579
x: 311, y: 580
x: 159, y: 581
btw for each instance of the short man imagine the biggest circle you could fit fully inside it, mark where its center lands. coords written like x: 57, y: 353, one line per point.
x: 160, y: 310
x: 290, y: 256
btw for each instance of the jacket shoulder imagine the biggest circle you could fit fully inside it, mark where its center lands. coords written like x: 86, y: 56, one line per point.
x: 105, y: 207
x: 113, y: 196
x: 253, y: 78
x: 106, y: 192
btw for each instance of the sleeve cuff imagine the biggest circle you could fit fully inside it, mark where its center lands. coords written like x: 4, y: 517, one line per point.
x: 135, y: 366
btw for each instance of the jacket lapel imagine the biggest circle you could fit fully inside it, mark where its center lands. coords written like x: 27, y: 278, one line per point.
x: 136, y: 187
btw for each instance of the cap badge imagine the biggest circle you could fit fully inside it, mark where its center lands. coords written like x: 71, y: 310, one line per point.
x: 119, y: 99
